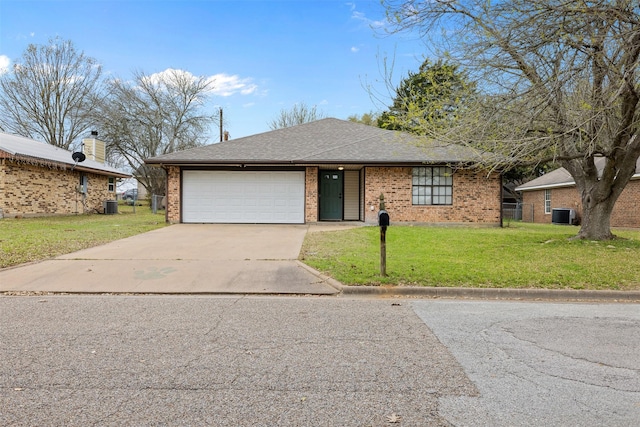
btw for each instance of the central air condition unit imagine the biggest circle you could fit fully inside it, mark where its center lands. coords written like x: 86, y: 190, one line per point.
x: 566, y: 216
x: 110, y: 207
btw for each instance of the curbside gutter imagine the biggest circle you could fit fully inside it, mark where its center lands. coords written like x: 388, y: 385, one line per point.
x: 479, y: 293
x: 496, y: 293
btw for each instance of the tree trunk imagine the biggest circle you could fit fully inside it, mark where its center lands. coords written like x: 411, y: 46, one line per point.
x: 599, y: 187
x: 596, y: 218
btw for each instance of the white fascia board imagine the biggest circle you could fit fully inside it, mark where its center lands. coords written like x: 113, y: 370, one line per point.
x: 560, y: 185
x: 546, y: 186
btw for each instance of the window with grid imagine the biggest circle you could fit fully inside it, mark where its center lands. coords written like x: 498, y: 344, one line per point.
x: 111, y: 187
x: 432, y: 186
x: 547, y: 201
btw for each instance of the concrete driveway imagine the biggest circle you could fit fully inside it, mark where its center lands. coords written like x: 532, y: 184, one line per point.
x: 182, y: 258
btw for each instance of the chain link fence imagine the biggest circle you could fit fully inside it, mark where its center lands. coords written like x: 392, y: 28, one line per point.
x: 158, y: 202
x: 517, y: 212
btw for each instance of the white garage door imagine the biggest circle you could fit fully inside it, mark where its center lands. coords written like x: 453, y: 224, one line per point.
x: 243, y: 197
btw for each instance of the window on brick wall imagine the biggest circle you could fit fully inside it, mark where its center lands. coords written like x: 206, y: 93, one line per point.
x: 112, y: 185
x: 432, y: 186
x: 547, y: 201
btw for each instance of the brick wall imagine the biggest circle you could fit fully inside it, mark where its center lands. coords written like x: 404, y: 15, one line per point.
x: 476, y: 197
x: 173, y: 195
x: 30, y: 190
x: 626, y: 212
x: 311, y: 194
x: 533, y: 207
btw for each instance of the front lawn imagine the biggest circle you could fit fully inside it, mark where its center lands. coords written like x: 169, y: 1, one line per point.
x: 34, y: 239
x: 518, y: 256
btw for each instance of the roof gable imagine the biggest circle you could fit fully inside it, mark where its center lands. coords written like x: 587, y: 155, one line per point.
x: 25, y: 149
x: 323, y: 141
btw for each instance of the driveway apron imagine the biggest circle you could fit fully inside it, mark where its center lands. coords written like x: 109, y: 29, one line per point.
x: 182, y: 258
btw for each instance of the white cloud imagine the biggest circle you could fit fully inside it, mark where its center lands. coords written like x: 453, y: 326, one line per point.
x: 167, y: 76
x: 324, y: 102
x: 227, y: 85
x: 359, y: 16
x: 221, y: 84
x: 4, y: 64
x: 354, y: 49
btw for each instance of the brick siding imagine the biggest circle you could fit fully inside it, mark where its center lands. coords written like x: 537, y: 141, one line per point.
x: 29, y: 190
x: 476, y: 197
x: 626, y: 212
x: 311, y: 194
x: 173, y: 195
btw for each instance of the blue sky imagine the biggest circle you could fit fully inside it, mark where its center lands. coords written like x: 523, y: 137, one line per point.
x: 267, y: 55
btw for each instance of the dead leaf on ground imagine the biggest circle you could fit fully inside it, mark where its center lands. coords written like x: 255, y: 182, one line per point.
x: 394, y: 418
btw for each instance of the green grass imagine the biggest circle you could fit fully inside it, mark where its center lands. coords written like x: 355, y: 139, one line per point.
x: 518, y: 256
x: 34, y: 239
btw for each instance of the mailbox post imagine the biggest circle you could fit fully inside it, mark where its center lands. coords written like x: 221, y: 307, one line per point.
x: 383, y: 223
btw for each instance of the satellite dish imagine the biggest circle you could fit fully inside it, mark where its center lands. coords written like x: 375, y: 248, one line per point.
x: 78, y: 157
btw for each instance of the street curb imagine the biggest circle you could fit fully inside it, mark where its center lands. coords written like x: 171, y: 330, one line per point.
x: 478, y: 293
x: 494, y: 293
x: 326, y: 279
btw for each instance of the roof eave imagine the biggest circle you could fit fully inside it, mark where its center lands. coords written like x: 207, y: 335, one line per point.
x: 63, y: 165
x: 239, y: 162
x: 546, y: 186
x: 101, y: 172
x: 561, y: 185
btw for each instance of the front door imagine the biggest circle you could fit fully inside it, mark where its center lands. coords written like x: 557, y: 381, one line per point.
x: 331, y: 188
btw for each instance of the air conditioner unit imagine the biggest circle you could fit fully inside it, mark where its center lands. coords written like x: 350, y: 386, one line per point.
x: 566, y: 216
x: 110, y: 207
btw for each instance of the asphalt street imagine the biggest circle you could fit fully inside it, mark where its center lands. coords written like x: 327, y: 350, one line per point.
x: 315, y: 361
x: 541, y: 364
x: 235, y: 361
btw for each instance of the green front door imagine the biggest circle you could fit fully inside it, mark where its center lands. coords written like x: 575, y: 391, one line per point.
x: 331, y: 195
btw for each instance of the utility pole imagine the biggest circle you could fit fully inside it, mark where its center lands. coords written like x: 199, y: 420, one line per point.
x: 221, y: 131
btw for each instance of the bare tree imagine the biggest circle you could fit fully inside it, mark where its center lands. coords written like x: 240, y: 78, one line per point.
x: 560, y: 80
x: 154, y: 115
x: 50, y: 94
x: 300, y: 113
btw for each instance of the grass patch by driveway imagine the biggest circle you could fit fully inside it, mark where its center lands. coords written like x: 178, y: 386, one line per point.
x: 518, y: 256
x: 34, y: 239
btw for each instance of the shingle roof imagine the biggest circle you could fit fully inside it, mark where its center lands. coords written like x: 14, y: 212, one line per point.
x: 556, y: 178
x: 323, y: 141
x: 562, y: 178
x: 22, y: 148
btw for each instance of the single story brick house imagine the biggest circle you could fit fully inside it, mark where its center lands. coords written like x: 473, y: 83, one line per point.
x: 329, y: 170
x: 557, y: 190
x: 38, y: 179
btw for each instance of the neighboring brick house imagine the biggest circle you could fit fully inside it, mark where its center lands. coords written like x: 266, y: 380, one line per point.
x: 557, y: 190
x: 38, y: 179
x: 329, y: 170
